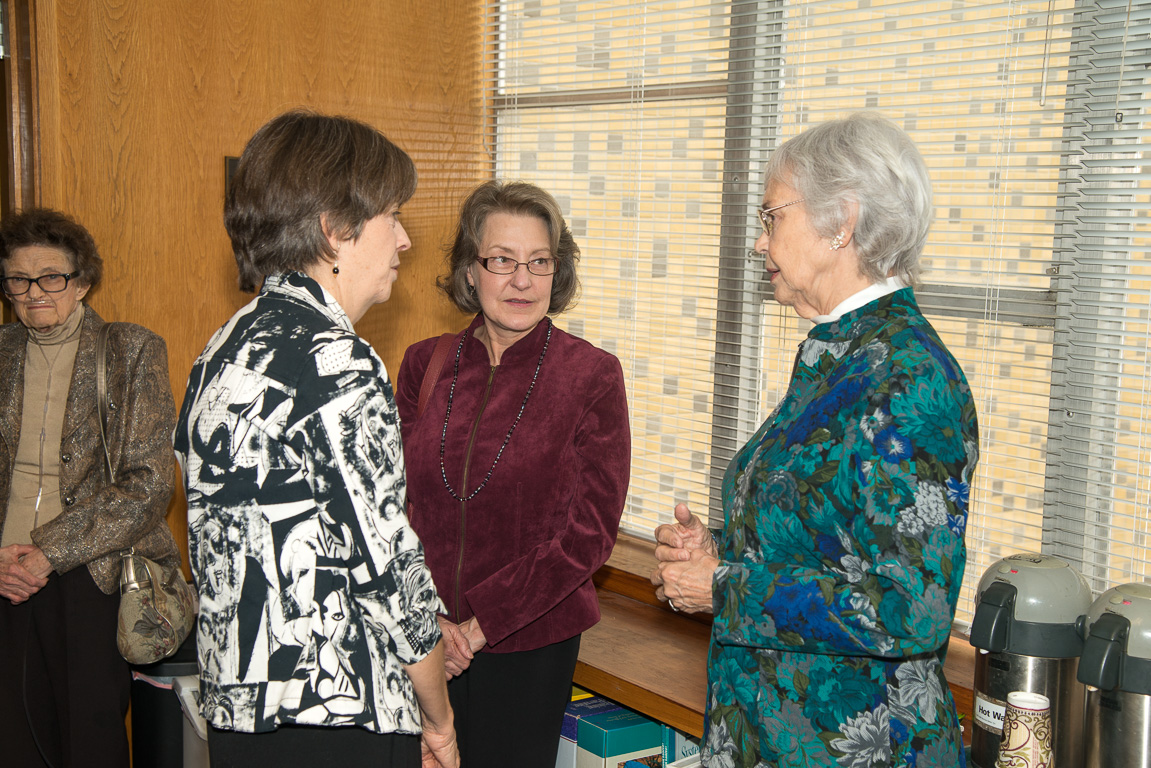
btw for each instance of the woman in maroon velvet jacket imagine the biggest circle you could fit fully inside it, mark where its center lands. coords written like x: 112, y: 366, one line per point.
x: 517, y: 473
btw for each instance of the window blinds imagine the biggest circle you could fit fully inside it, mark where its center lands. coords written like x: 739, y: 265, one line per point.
x: 651, y: 123
x: 1099, y: 452
x: 619, y: 110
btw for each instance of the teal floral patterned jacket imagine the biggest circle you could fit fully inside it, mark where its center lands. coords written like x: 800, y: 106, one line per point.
x: 842, y: 555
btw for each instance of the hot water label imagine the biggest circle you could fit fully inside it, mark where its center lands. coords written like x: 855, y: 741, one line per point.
x: 989, y: 713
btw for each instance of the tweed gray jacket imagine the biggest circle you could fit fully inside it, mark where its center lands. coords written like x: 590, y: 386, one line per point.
x: 99, y: 519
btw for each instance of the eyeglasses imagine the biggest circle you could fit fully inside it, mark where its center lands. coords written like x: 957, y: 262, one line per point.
x: 767, y: 221
x: 502, y: 265
x: 18, y: 286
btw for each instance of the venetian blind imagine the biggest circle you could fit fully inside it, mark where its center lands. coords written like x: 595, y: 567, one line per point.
x: 651, y: 122
x: 1099, y: 452
x: 619, y: 110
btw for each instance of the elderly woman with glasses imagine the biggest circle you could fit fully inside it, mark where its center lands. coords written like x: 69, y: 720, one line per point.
x: 63, y: 520
x: 834, y: 578
x: 518, y: 464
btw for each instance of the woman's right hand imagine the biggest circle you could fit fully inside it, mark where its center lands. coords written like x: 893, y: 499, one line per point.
x: 438, y: 750
x: 676, y: 542
x: 438, y: 747
x: 17, y: 583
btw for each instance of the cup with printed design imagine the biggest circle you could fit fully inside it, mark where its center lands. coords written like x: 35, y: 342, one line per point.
x: 1026, y: 741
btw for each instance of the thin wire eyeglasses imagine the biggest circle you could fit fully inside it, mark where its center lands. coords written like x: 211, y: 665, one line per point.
x: 502, y: 265
x: 767, y: 221
x: 54, y: 283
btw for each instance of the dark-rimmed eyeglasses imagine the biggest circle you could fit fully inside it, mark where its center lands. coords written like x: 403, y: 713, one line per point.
x: 502, y: 265
x: 18, y: 286
x: 767, y: 221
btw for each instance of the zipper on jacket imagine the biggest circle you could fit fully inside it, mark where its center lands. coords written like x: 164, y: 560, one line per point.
x: 464, y: 485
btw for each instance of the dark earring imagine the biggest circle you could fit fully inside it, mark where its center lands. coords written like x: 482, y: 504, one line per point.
x: 335, y: 269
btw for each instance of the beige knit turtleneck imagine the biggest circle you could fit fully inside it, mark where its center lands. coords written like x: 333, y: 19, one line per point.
x: 35, y: 498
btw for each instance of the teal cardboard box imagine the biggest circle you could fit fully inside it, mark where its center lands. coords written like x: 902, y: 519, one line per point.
x: 677, y: 745
x: 618, y: 739
x: 577, y: 710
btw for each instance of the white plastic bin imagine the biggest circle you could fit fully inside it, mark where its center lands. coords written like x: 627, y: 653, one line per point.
x: 187, y: 690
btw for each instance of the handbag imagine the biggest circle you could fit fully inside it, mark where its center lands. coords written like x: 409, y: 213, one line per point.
x: 156, y: 614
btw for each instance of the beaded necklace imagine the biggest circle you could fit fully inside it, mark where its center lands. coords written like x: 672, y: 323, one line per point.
x: 448, y: 413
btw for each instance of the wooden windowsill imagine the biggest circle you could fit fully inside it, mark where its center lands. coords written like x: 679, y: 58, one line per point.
x: 654, y: 660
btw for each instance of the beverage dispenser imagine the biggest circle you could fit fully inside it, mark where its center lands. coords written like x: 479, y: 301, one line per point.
x: 1116, y: 667
x: 1029, y: 613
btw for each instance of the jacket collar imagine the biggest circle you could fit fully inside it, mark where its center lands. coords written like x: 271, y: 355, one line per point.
x: 527, y: 348
x: 81, y: 388
x: 854, y: 323
x: 299, y: 287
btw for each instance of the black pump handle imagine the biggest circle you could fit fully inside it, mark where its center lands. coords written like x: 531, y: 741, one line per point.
x: 1102, y: 659
x: 993, y: 614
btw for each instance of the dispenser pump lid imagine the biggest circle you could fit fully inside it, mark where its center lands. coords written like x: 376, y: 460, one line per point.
x: 1031, y: 604
x: 1117, y: 650
x: 1133, y: 603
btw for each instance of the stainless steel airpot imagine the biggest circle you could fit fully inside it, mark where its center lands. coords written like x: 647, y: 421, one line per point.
x: 1028, y: 616
x: 1116, y: 667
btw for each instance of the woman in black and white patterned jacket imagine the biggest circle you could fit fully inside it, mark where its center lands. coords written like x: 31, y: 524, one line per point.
x: 317, y: 640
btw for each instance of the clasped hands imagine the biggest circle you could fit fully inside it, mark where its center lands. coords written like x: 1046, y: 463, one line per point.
x: 687, y: 558
x: 461, y: 641
x: 24, y: 571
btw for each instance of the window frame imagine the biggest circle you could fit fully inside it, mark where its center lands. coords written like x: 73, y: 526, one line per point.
x: 756, y: 51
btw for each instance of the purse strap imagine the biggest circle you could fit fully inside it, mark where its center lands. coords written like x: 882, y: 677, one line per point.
x: 102, y: 405
x: 129, y: 581
x: 432, y: 374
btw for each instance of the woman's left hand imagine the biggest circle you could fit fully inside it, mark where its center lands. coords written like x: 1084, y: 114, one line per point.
x: 686, y: 584
x: 23, y: 572
x: 473, y: 633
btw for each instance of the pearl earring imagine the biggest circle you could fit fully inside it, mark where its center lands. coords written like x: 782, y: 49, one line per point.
x: 335, y: 268
x: 837, y: 242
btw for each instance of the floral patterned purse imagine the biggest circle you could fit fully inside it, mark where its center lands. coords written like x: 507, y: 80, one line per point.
x: 155, y: 616
x: 156, y: 613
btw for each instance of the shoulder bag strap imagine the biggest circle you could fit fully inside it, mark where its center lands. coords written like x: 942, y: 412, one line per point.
x: 129, y: 579
x: 432, y: 374
x: 102, y: 391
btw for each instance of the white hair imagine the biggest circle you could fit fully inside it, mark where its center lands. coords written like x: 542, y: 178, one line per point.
x: 865, y: 161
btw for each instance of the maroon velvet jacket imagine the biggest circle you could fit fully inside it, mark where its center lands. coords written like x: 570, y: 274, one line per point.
x: 519, y: 555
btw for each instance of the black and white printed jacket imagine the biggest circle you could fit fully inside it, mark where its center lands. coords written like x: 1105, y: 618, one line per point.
x: 313, y: 587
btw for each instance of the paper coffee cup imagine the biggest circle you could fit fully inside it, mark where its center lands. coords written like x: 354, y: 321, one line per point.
x: 1026, y: 741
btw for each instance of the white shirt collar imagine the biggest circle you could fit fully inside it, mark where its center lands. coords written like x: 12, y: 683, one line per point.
x: 857, y: 300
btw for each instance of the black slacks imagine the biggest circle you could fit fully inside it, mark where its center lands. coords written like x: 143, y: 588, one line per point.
x: 509, y: 707
x: 64, y: 687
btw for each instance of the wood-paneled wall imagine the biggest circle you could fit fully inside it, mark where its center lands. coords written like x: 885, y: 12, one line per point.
x: 136, y: 103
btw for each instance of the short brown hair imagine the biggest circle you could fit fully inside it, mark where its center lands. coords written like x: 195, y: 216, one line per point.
x: 519, y: 198
x: 53, y: 229
x: 301, y: 167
